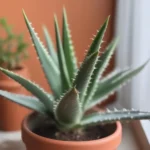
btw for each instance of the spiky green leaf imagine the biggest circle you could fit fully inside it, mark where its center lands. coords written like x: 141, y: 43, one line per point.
x: 68, y: 109
x: 83, y: 77
x: 100, y: 67
x: 68, y: 48
x: 50, y: 45
x: 31, y: 87
x: 96, y: 44
x: 109, y: 86
x: 51, y: 70
x: 113, y: 116
x: 61, y: 58
x: 26, y: 101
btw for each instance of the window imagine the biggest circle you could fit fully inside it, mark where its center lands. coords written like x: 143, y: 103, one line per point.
x: 133, y: 28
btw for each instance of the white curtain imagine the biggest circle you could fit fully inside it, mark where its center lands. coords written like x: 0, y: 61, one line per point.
x: 133, y: 28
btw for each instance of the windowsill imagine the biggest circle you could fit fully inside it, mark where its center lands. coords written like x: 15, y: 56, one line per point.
x: 129, y: 140
x: 11, y: 141
x: 142, y: 133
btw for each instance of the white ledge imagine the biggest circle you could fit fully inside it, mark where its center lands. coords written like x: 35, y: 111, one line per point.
x: 11, y: 141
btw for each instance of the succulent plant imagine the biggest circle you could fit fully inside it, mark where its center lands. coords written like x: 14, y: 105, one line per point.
x: 75, y: 90
x: 12, y: 47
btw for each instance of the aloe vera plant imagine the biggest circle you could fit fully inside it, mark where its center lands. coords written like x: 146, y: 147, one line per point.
x: 75, y: 90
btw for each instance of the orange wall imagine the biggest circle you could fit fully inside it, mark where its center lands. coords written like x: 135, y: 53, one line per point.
x: 85, y: 17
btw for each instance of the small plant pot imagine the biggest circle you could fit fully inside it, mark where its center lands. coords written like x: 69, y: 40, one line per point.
x: 11, y: 114
x: 37, y: 142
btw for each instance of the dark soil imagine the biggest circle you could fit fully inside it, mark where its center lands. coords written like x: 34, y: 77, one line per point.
x: 91, y: 133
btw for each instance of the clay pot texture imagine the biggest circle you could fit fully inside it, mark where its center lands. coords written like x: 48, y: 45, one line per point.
x: 37, y: 142
x: 11, y: 114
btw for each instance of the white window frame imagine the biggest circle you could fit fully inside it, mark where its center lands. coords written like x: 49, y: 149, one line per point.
x: 133, y: 28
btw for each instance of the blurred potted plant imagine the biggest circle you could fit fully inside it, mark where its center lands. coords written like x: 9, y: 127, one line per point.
x: 60, y: 120
x: 12, y: 53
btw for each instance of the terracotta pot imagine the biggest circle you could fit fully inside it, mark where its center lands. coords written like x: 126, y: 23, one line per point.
x: 37, y: 142
x: 11, y: 114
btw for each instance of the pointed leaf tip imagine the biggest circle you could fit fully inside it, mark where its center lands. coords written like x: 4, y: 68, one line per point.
x: 23, y: 11
x: 24, y: 14
x: 64, y: 10
x: 107, y: 20
x: 97, y: 41
x: 55, y: 18
x: 75, y: 90
x: 44, y: 27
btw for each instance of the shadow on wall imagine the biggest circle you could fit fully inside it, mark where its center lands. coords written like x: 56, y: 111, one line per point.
x: 85, y: 18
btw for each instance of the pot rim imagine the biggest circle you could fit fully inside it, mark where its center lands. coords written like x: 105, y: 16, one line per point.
x: 25, y: 129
